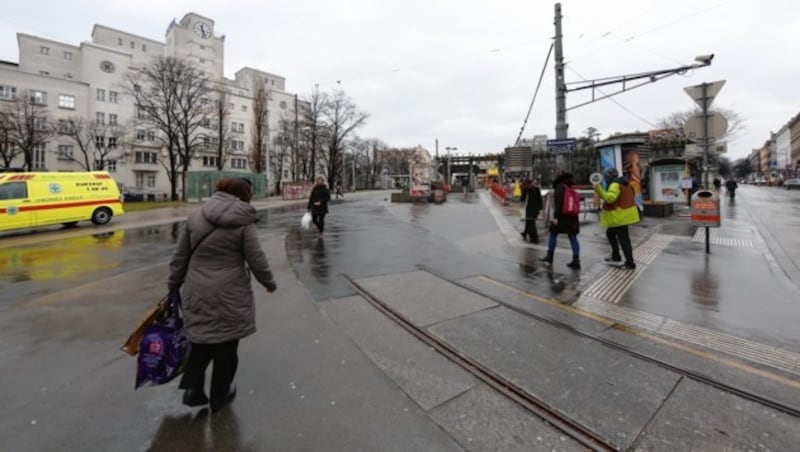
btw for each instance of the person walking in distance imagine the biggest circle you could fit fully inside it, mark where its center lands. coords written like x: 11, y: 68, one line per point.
x: 564, y: 221
x: 217, y: 245
x: 318, y: 204
x: 730, y: 187
x: 339, y: 190
x: 618, y: 212
x: 531, y: 200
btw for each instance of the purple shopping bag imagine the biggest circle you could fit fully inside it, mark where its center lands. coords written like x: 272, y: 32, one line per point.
x: 164, y: 348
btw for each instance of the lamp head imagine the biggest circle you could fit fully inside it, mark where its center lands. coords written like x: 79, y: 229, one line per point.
x: 705, y: 59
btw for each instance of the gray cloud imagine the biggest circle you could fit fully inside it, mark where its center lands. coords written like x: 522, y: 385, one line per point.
x: 464, y: 71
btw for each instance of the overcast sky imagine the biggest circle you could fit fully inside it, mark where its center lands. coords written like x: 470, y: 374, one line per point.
x: 464, y: 71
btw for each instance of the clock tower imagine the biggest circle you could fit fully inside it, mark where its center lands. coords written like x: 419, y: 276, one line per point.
x: 194, y: 39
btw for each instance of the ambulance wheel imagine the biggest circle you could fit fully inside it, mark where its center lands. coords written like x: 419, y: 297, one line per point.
x: 101, y: 216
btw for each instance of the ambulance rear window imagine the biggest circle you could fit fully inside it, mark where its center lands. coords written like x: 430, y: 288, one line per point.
x: 14, y: 190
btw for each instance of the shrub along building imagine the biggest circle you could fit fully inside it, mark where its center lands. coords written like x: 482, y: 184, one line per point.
x: 95, y: 107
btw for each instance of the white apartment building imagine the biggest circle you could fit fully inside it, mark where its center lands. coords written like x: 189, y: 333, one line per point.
x: 88, y: 80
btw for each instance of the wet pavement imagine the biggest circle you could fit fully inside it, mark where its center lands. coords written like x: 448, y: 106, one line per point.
x: 327, y: 372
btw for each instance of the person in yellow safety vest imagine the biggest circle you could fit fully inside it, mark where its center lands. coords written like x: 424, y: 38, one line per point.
x: 618, y: 212
x: 517, y: 190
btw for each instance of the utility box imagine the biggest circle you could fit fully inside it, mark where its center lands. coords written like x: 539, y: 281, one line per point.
x: 705, y: 209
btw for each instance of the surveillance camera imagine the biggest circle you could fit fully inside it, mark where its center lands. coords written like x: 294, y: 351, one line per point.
x: 704, y: 58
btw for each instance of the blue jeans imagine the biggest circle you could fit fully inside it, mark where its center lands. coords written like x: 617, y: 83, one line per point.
x: 573, y: 240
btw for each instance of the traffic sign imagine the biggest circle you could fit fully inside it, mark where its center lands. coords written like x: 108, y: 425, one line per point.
x: 696, y: 92
x: 717, y: 126
x: 561, y: 146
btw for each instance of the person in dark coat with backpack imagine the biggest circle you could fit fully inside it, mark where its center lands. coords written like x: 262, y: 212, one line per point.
x: 563, y: 223
x: 531, y: 199
x: 318, y: 204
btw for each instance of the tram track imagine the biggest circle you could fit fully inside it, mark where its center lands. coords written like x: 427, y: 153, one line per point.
x: 536, y: 405
x: 690, y: 374
x: 570, y: 427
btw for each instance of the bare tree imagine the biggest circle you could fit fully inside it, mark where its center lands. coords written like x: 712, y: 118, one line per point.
x: 342, y: 117
x: 259, y: 129
x: 26, y: 119
x: 282, y: 149
x: 736, y: 123
x: 222, y: 127
x: 314, y: 129
x: 169, y: 95
x: 368, y: 152
x: 193, y: 109
x: 8, y: 149
x: 97, y: 144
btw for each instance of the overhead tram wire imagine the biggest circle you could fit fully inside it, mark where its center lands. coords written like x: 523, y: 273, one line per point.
x: 631, y: 112
x: 535, y: 93
x: 583, y: 51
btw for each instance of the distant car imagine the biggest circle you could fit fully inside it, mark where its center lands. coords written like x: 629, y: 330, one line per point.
x: 791, y: 183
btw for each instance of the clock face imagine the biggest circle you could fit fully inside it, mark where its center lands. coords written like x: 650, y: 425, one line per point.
x: 202, y: 29
x: 107, y: 66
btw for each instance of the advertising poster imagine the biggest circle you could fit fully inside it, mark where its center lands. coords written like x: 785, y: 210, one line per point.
x: 607, y: 158
x: 632, y: 169
x: 667, y: 185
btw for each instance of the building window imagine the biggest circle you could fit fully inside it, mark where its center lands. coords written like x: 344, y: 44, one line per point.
x: 133, y: 45
x: 239, y: 163
x: 142, y: 114
x: 202, y: 61
x: 113, y: 96
x: 119, y: 41
x: 205, y: 122
x: 67, y: 55
x: 44, y: 50
x: 151, y: 135
x: 203, y: 100
x: 147, y: 180
x: 38, y: 156
x: 112, y: 119
x: 65, y: 151
x: 65, y: 126
x: 144, y: 47
x: 140, y: 134
x: 39, y: 97
x: 111, y: 166
x: 40, y: 122
x: 202, y: 47
x: 210, y: 161
x: 112, y: 142
x: 145, y: 157
x: 100, y: 141
x: 244, y: 107
x: 65, y: 101
x: 100, y: 118
x: 101, y: 94
x: 8, y: 92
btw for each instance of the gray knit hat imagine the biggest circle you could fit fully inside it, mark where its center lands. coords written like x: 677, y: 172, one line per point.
x: 610, y: 174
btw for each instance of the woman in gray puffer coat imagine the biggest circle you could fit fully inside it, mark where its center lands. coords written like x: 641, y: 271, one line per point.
x: 216, y: 246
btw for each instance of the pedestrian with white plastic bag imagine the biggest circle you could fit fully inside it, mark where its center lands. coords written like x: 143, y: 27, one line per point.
x: 305, y: 222
x: 318, y: 204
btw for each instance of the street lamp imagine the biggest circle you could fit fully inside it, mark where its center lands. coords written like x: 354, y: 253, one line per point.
x: 448, y: 149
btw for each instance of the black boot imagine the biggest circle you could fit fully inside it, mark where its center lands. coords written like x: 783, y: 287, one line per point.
x: 548, y: 258
x: 576, y: 263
